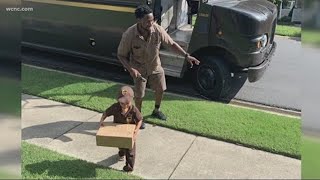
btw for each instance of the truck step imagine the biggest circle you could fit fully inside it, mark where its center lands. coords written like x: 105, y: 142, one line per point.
x: 172, y: 63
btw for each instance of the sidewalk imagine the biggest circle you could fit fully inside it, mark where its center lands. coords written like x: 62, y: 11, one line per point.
x: 161, y: 153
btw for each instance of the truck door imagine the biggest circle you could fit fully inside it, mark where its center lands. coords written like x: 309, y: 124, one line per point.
x: 107, y: 31
x: 80, y: 27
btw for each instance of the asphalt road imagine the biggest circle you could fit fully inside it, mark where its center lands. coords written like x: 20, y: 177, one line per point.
x: 279, y: 87
x: 281, y: 84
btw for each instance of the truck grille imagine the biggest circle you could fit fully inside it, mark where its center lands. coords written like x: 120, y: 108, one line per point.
x: 273, y: 30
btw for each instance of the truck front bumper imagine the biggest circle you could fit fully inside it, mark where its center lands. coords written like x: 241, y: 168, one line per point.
x: 256, y: 72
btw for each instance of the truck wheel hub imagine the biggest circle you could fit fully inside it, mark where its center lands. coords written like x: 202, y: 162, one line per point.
x: 206, y: 77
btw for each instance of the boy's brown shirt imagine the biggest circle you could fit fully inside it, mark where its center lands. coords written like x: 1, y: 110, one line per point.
x: 133, y: 116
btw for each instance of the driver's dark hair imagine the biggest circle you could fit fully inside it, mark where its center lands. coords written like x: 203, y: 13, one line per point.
x: 142, y: 10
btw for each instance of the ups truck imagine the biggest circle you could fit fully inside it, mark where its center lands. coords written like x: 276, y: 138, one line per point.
x: 227, y: 36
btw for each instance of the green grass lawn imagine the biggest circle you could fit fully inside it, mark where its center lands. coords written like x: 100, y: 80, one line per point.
x: 261, y: 130
x: 41, y: 163
x: 311, y: 37
x: 287, y: 30
x: 310, y: 159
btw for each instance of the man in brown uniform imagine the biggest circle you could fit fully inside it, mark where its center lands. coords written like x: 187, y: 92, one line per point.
x: 138, y: 51
x: 124, y: 112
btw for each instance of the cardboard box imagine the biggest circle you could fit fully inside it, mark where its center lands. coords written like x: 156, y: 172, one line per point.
x: 116, y: 135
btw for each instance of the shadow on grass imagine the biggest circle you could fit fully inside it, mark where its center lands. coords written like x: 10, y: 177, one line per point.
x: 63, y: 168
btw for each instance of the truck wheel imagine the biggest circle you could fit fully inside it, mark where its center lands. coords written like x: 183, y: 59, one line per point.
x: 212, y: 78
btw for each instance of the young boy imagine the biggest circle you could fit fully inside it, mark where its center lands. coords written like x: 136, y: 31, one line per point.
x: 124, y: 112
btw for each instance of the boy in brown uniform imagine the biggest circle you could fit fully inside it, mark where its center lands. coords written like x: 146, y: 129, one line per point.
x: 124, y: 112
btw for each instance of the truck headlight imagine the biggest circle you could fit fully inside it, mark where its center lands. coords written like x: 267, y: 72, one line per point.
x: 261, y: 41
x: 264, y: 40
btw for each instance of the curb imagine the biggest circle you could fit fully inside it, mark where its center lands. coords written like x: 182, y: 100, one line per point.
x: 270, y: 109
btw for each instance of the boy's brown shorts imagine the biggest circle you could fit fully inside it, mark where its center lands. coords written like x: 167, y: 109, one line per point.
x: 157, y: 82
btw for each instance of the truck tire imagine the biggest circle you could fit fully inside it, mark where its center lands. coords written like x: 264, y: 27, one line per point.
x: 212, y: 78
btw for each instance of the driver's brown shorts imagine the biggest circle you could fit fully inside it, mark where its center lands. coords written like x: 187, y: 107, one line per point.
x: 156, y: 81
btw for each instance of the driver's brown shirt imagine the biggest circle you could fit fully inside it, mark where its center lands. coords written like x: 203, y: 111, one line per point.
x: 142, y: 54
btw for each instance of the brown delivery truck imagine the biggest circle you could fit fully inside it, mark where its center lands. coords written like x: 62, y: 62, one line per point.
x: 228, y: 36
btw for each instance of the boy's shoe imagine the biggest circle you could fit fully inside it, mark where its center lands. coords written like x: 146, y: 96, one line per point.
x: 121, y: 158
x: 121, y: 155
x: 127, y: 169
x: 159, y: 115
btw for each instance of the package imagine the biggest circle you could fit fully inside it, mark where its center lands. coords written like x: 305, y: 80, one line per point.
x: 116, y: 135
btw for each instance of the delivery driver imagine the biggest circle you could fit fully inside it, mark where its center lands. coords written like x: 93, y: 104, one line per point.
x: 138, y: 52
x: 124, y: 112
